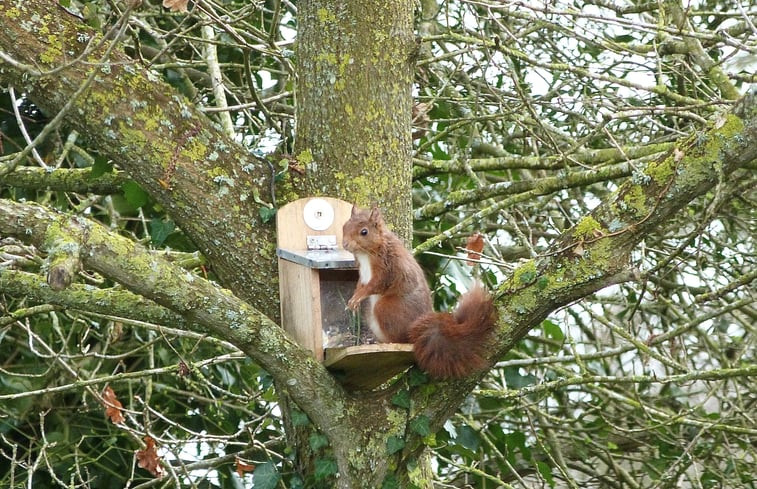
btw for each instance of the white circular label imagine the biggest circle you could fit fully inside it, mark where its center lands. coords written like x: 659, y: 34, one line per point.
x: 318, y: 214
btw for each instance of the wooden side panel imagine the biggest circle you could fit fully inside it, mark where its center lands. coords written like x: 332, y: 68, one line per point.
x: 299, y: 290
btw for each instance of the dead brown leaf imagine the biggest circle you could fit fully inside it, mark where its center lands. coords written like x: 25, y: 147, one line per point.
x: 176, y: 5
x: 148, y: 458
x: 475, y: 245
x: 113, y: 406
x: 243, y: 467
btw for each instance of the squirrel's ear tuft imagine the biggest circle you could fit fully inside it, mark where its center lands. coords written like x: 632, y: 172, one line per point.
x: 355, y: 210
x: 375, y: 213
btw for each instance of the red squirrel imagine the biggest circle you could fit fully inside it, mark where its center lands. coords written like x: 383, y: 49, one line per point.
x: 400, y: 310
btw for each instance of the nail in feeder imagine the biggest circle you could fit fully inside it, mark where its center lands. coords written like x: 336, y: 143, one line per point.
x: 317, y: 277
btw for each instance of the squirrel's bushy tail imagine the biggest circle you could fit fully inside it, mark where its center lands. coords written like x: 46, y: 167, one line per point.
x: 453, y: 345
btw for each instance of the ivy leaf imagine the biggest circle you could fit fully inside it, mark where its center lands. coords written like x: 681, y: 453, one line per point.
x: 134, y: 194
x: 402, y: 399
x: 390, y: 482
x: 266, y: 213
x: 296, y: 482
x: 420, y: 425
x: 265, y: 476
x: 317, y: 441
x: 527, y: 276
x: 516, y: 442
x: 417, y: 377
x: 546, y: 472
x: 468, y: 437
x: 299, y: 418
x: 542, y: 283
x: 394, y: 444
x: 101, y: 166
x: 515, y: 380
x: 324, y: 467
x: 266, y: 381
x: 624, y: 38
x: 160, y: 230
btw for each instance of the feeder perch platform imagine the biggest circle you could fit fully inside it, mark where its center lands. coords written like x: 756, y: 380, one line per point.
x: 364, y: 367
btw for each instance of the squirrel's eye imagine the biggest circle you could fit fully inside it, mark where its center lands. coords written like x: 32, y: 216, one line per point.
x: 364, y: 232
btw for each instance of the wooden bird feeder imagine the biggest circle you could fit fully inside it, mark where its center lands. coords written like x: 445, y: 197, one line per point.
x: 317, y: 276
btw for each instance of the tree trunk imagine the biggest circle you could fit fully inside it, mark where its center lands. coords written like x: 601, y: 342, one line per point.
x: 355, y: 72
x: 355, y: 69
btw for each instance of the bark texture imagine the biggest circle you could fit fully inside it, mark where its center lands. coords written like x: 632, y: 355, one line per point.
x: 355, y: 72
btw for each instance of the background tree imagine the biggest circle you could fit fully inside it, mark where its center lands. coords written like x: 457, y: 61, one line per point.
x: 604, y: 151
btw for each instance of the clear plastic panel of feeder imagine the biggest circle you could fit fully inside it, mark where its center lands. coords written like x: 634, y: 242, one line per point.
x: 341, y: 327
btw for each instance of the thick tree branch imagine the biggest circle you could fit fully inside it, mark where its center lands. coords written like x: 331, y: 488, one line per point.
x: 81, y: 297
x: 196, y: 300
x: 162, y: 141
x: 594, y: 253
x: 524, y: 189
x: 79, y: 180
x: 502, y: 160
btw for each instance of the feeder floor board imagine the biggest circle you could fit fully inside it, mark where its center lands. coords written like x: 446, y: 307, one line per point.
x: 368, y: 366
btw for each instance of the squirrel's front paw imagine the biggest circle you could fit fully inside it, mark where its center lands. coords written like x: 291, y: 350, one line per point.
x: 354, y: 303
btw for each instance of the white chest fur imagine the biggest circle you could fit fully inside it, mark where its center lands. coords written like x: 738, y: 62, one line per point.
x: 365, y: 272
x: 364, y: 264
